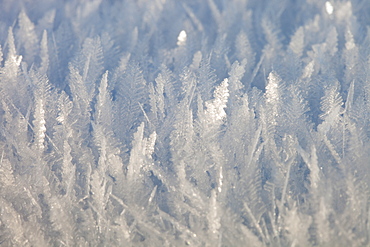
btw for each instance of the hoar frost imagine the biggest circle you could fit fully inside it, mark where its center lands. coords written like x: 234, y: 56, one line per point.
x: 118, y: 127
x: 215, y: 108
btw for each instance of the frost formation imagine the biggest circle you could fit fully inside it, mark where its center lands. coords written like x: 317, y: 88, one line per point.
x: 184, y: 123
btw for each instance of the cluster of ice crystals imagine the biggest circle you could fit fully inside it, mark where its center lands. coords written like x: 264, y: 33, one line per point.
x: 184, y: 123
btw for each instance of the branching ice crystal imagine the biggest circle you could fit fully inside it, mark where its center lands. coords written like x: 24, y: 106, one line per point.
x: 215, y: 108
x: 185, y: 123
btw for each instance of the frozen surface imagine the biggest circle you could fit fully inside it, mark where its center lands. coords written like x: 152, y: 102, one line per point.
x: 184, y: 122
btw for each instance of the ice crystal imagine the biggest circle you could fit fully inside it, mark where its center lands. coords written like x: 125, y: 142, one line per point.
x: 184, y: 123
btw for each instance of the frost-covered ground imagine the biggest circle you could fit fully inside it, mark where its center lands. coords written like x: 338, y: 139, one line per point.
x: 184, y: 122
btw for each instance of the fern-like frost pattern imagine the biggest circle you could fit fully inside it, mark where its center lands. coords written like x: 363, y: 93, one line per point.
x: 184, y: 123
